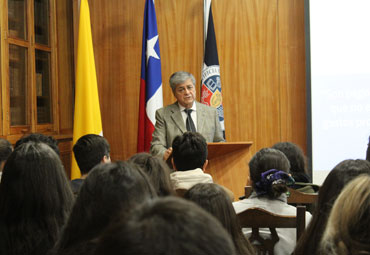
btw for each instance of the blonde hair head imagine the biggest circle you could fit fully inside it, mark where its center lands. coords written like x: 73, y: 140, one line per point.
x: 347, y: 230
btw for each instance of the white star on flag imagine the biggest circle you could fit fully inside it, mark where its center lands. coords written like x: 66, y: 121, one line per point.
x: 150, y: 51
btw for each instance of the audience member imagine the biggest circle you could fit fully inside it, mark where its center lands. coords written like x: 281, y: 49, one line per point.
x: 36, y: 137
x: 35, y: 200
x: 347, y: 230
x: 166, y: 226
x: 214, y: 200
x: 5, y: 149
x: 89, y: 151
x: 189, y: 160
x: 157, y: 170
x: 296, y: 159
x: 108, y: 189
x: 342, y: 173
x: 269, y: 170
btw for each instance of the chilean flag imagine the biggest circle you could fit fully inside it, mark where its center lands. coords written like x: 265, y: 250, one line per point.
x: 151, y: 97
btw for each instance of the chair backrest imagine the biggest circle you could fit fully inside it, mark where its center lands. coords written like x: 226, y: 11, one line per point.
x: 256, y: 218
x: 295, y: 197
x: 180, y: 192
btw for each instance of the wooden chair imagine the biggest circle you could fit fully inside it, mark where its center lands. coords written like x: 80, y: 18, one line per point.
x: 256, y: 218
x: 295, y: 197
x: 180, y: 192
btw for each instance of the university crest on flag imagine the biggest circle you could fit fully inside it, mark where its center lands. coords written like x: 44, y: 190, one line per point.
x: 211, y: 89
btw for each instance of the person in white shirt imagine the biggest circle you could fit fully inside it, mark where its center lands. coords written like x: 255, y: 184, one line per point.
x: 189, y: 160
x: 269, y: 170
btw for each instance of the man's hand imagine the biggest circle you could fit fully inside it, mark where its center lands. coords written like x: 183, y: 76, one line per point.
x: 167, y: 153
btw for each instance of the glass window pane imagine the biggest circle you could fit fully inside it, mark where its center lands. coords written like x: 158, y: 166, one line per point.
x: 18, y: 85
x: 42, y: 21
x: 17, y: 22
x: 43, y: 87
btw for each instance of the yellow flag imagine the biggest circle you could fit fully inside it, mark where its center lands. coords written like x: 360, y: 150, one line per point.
x: 87, y: 119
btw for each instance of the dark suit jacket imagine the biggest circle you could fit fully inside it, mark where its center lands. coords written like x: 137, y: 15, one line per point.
x: 169, y: 124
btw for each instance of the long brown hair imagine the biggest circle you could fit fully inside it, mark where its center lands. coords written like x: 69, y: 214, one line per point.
x: 214, y: 199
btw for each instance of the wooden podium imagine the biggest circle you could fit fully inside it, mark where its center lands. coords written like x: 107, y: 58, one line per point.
x: 228, y: 165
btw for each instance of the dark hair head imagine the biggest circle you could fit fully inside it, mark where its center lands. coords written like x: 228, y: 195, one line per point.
x: 167, y: 226
x: 5, y: 149
x: 295, y: 156
x: 89, y: 151
x: 267, y: 159
x: 35, y: 199
x: 157, y: 170
x: 213, y: 198
x: 108, y: 189
x: 41, y: 138
x: 189, y: 151
x: 342, y: 173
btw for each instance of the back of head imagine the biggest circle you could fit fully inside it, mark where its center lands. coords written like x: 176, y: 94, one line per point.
x: 157, y: 170
x: 5, y: 149
x: 180, y: 77
x: 341, y: 174
x: 295, y: 156
x: 213, y: 198
x: 39, y: 138
x: 347, y: 230
x: 167, y: 226
x: 108, y: 189
x: 35, y: 197
x: 89, y: 151
x: 263, y: 161
x: 189, y: 151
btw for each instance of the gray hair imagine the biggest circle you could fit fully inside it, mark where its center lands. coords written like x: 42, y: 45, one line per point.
x: 179, y: 78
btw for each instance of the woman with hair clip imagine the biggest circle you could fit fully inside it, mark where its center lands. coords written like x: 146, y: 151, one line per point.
x: 269, y: 170
x: 35, y: 200
x: 347, y: 230
x: 342, y: 174
x: 109, y: 189
x: 157, y: 170
x: 214, y: 200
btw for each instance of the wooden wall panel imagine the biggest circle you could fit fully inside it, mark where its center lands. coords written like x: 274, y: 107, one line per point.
x: 261, y: 53
x: 117, y: 34
x: 248, y: 51
x: 292, y: 71
x: 65, y: 41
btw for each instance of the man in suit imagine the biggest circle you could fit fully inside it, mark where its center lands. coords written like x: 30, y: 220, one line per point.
x: 184, y: 115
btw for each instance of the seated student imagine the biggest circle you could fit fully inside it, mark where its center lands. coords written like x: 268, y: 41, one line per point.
x: 348, y: 227
x: 298, y: 169
x: 189, y: 159
x: 269, y: 170
x: 296, y: 159
x: 89, y: 151
x: 6, y: 149
x: 157, y: 170
x: 166, y: 226
x: 35, y: 200
x: 108, y: 189
x: 342, y: 173
x: 39, y: 138
x: 213, y: 198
